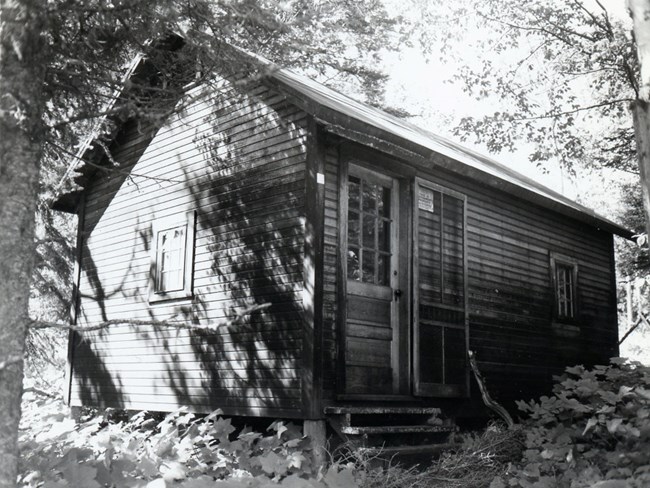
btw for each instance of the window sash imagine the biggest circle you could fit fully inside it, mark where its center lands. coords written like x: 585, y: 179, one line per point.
x: 565, y: 290
x: 170, y: 259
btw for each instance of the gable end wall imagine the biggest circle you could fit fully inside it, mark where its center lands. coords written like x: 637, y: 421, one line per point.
x: 238, y: 161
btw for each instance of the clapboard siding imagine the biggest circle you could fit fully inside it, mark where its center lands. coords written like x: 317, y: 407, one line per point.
x: 510, y: 297
x: 237, y: 159
x: 510, y: 293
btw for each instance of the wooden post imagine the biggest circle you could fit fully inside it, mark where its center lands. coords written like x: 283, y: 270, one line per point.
x: 312, y: 349
x: 316, y: 430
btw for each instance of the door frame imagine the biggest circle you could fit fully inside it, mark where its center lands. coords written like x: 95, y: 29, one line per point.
x: 440, y: 390
x: 401, y: 234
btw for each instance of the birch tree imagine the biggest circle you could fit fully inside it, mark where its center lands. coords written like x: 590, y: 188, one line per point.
x: 640, y: 12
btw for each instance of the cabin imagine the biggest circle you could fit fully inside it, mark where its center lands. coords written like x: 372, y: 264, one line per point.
x: 323, y: 259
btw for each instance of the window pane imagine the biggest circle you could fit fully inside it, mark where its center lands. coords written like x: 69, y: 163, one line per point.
x: 370, y: 192
x: 369, y: 222
x: 353, y: 193
x: 384, y: 203
x: 383, y: 240
x: 368, y: 267
x: 170, y: 265
x: 353, y: 227
x: 383, y: 269
x: 354, y: 268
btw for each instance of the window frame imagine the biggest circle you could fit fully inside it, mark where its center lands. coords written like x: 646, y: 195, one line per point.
x: 188, y: 221
x: 558, y: 261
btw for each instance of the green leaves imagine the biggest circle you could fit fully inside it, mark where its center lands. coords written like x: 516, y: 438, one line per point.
x: 180, y: 451
x: 594, y: 431
x: 560, y: 75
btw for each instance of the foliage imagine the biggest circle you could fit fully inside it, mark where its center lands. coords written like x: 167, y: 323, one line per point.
x: 91, y: 44
x: 181, y: 450
x: 593, y: 432
x: 633, y: 259
x: 563, y: 73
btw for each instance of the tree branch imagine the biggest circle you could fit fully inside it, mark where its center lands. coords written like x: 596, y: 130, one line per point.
x: 209, y: 326
x: 606, y: 27
x: 38, y: 391
x: 569, y: 112
x: 115, y: 163
x: 531, y: 29
x: 487, y: 399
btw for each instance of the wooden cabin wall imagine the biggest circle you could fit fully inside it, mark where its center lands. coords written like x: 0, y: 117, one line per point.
x: 510, y: 241
x: 237, y: 161
x: 330, y: 277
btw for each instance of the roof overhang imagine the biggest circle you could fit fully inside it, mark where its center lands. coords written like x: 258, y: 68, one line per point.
x: 372, y: 127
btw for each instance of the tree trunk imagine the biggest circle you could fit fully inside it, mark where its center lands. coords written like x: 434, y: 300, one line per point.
x: 22, y: 68
x: 641, y: 113
x: 640, y: 11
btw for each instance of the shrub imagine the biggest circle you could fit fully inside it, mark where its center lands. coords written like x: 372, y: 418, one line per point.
x: 179, y: 451
x: 594, y: 431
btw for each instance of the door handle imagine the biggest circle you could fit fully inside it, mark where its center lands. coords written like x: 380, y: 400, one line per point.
x: 397, y: 294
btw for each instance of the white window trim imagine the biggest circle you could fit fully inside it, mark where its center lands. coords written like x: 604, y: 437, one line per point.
x: 188, y: 220
x: 559, y: 259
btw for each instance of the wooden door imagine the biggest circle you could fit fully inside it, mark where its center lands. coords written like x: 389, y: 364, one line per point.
x: 440, y: 330
x: 370, y: 249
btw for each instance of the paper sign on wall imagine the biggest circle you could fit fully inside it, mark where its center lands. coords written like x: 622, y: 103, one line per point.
x: 425, y: 199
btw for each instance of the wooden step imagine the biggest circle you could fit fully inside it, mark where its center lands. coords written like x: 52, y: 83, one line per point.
x: 395, y: 429
x: 341, y: 410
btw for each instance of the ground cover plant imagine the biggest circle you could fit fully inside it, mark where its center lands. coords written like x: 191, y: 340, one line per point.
x: 594, y: 431
x: 180, y: 450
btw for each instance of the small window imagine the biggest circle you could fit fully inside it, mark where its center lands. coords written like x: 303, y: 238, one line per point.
x: 172, y: 256
x: 565, y: 281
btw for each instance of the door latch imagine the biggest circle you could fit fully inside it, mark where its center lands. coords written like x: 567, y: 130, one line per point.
x: 397, y: 293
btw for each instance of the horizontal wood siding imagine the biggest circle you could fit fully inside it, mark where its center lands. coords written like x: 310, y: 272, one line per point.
x: 518, y: 344
x: 238, y: 161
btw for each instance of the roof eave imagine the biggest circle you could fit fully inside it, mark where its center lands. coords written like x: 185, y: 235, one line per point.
x: 353, y: 128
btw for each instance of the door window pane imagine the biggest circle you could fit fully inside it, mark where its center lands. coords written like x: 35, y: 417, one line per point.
x: 354, y: 264
x: 353, y: 227
x: 369, y: 197
x: 383, y: 240
x: 369, y: 231
x: 384, y: 203
x: 383, y: 269
x: 368, y: 267
x: 353, y: 192
x: 369, y: 223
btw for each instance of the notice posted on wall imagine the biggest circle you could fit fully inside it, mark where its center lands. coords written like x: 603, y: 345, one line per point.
x: 425, y: 199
